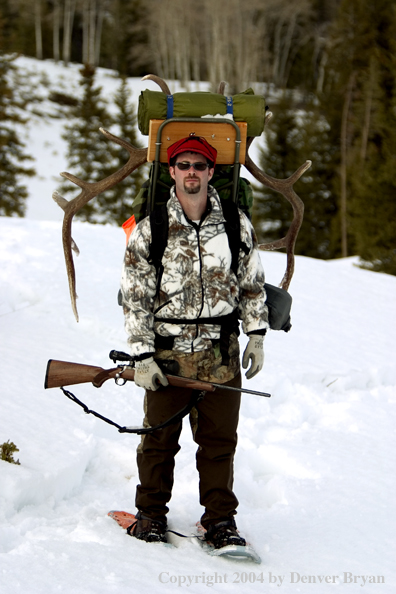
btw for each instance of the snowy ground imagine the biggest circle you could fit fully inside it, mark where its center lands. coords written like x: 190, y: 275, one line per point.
x: 315, y: 466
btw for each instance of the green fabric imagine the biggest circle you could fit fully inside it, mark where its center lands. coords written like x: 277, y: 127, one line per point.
x: 248, y: 107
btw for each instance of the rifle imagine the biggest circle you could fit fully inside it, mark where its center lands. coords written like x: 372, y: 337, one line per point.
x: 64, y: 373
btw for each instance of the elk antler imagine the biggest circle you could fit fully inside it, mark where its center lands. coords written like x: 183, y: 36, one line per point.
x: 284, y: 187
x: 160, y: 82
x: 137, y: 157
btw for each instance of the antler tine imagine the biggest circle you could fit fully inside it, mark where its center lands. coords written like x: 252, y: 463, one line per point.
x: 160, y: 82
x: 62, y: 202
x: 221, y: 88
x: 267, y: 118
x: 89, y: 190
x: 284, y: 187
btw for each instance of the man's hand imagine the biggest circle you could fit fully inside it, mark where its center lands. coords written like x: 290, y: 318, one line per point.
x: 147, y: 374
x: 254, y: 352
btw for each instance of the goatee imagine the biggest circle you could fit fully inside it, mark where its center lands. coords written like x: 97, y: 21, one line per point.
x: 192, y: 188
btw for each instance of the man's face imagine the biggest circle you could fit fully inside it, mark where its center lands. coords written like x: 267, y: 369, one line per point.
x: 191, y: 181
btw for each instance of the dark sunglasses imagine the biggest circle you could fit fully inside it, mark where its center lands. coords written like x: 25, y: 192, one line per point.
x: 185, y: 166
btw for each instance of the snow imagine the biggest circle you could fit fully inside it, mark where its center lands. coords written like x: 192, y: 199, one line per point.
x: 315, y: 465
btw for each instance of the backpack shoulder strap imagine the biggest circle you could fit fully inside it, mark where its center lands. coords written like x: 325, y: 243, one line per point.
x: 233, y: 229
x: 159, y: 223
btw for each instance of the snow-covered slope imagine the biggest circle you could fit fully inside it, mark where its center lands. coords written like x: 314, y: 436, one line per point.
x: 315, y: 466
x: 315, y: 463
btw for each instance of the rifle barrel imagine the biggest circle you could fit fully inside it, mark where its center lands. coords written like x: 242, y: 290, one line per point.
x: 244, y: 390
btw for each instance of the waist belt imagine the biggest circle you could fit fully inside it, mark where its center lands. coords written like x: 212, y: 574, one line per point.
x: 228, y: 323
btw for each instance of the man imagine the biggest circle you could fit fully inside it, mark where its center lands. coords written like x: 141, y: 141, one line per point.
x: 189, y: 314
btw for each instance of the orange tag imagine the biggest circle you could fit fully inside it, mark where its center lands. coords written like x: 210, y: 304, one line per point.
x: 129, y: 226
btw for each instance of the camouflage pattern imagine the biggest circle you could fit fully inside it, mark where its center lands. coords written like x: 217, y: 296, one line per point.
x: 206, y: 365
x: 197, y: 281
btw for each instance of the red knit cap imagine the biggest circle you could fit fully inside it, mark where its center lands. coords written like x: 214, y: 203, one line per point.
x: 193, y: 144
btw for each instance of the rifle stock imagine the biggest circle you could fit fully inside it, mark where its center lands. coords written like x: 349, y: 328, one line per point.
x: 63, y: 373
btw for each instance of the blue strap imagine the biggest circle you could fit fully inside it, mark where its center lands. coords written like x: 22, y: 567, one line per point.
x: 169, y: 107
x: 230, y: 106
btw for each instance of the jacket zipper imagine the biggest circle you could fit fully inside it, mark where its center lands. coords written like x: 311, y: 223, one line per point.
x: 197, y: 229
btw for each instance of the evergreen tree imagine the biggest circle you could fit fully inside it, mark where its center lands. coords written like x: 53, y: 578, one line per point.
x: 7, y: 34
x: 125, y: 38
x: 296, y: 133
x: 373, y: 203
x: 361, y: 107
x: 90, y: 155
x: 13, y: 193
x: 120, y: 197
x: 272, y: 214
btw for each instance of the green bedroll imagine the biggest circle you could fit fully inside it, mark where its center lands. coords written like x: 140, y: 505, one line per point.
x: 244, y: 107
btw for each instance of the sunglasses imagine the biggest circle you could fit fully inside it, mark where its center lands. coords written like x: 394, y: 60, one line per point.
x: 186, y: 165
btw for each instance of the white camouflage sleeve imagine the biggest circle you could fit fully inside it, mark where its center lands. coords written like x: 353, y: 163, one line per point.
x: 138, y: 287
x: 253, y: 310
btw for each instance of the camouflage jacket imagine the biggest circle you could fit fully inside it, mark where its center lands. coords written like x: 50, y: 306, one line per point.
x: 197, y: 281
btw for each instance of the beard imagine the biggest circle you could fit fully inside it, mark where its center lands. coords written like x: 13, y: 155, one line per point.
x: 192, y: 189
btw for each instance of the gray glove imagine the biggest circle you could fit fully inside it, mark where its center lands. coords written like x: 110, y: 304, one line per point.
x: 147, y: 373
x: 254, y: 352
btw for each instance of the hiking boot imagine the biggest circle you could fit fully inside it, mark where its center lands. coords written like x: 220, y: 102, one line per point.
x: 147, y: 529
x: 223, y: 534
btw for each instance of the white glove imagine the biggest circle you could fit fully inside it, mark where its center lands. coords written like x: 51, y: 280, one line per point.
x: 255, y: 352
x: 147, y: 373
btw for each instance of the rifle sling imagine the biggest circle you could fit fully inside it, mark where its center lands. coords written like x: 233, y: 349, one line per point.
x: 196, y: 396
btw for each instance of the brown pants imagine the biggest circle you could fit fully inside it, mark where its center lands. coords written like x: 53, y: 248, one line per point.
x: 215, y: 432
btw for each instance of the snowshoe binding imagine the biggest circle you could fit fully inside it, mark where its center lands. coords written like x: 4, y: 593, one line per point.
x: 223, y: 539
x: 140, y: 526
x: 224, y: 534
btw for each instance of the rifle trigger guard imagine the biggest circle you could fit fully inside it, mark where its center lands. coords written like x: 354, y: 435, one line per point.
x: 120, y: 381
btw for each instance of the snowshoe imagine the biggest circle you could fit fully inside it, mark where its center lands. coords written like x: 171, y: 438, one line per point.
x: 223, y: 539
